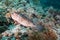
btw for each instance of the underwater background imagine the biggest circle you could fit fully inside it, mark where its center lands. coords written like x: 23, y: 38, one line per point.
x: 43, y: 13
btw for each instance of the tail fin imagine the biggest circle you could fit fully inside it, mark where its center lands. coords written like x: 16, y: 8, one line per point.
x: 39, y: 28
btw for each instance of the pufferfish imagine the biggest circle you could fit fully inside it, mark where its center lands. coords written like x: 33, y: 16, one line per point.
x: 25, y: 22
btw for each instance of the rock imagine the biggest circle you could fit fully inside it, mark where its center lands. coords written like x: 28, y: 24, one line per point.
x: 30, y: 10
x: 8, y: 15
x: 16, y: 34
x: 4, y: 34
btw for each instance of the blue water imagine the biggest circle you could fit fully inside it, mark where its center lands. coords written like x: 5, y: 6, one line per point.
x: 53, y: 3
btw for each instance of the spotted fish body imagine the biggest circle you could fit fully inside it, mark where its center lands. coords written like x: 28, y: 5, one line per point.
x: 21, y: 20
x: 25, y: 22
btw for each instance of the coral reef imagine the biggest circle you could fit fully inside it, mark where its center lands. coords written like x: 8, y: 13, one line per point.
x: 47, y: 20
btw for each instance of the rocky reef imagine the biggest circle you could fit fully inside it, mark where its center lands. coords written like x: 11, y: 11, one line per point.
x: 36, y: 12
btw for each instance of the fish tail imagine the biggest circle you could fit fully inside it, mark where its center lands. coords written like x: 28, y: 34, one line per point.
x: 39, y: 28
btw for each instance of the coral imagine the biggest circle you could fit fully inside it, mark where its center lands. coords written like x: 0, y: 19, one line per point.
x: 34, y: 11
x: 47, y: 35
